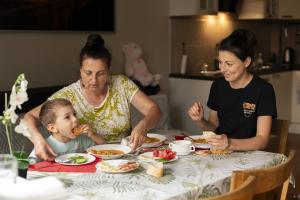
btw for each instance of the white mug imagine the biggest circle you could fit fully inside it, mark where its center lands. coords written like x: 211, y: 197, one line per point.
x: 182, y: 147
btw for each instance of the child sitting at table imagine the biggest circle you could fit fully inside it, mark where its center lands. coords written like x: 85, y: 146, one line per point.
x: 59, y: 117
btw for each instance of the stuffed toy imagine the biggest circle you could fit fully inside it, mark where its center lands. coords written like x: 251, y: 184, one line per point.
x: 136, y: 68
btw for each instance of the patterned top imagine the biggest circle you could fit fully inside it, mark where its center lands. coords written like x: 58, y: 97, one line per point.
x: 111, y: 118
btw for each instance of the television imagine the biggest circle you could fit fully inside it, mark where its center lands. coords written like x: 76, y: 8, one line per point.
x: 56, y: 15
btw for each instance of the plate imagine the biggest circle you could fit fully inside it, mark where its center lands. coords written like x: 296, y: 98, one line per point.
x: 112, y: 166
x: 62, y: 159
x: 123, y: 148
x: 148, y: 156
x: 198, y: 145
x: 161, y: 138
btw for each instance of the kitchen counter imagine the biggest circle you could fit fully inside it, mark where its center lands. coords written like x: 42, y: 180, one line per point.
x: 274, y: 68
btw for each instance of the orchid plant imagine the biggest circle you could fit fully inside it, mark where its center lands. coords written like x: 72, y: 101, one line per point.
x: 17, y: 97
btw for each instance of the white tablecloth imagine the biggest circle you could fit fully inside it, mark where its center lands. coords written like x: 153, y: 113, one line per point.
x: 190, y: 177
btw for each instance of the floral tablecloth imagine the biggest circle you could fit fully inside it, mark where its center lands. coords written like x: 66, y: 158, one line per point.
x: 190, y: 177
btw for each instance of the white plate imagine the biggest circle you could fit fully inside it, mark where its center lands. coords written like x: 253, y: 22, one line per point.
x: 114, y: 163
x: 161, y: 138
x: 198, y: 145
x: 63, y: 158
x: 148, y: 156
x: 120, y: 147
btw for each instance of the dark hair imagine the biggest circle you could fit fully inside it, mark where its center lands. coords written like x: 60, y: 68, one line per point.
x: 47, y: 114
x: 241, y: 43
x: 94, y: 48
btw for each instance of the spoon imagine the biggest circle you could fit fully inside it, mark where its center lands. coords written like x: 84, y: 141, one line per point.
x: 187, y: 136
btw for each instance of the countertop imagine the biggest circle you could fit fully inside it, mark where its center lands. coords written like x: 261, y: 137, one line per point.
x: 274, y: 68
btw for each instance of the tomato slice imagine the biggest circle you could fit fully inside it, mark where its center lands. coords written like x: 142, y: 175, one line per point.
x: 166, y: 154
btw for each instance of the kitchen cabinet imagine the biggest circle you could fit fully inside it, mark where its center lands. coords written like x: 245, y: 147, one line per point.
x: 270, y: 9
x: 192, y: 7
x: 183, y: 93
x: 282, y: 83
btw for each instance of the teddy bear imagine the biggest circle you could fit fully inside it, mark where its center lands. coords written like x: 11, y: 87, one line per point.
x: 136, y: 68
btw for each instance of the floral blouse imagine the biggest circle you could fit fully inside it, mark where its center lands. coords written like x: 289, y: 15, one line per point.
x: 111, y: 119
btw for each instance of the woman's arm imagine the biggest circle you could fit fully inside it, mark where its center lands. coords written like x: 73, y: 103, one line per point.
x: 196, y: 112
x: 260, y: 141
x: 151, y: 114
x: 42, y: 149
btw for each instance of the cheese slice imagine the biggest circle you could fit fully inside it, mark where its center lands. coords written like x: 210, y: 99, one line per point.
x: 155, y: 169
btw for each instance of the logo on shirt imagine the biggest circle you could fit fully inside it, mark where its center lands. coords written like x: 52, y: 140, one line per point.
x: 249, y: 109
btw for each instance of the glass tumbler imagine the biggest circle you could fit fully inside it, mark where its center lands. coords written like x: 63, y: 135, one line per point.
x: 8, y: 169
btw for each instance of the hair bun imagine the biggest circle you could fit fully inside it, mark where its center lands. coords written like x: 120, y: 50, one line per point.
x: 94, y: 39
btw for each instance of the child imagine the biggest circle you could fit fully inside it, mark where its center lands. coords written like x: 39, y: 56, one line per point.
x: 59, y: 117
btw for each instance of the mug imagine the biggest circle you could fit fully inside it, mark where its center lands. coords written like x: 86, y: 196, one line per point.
x: 182, y: 147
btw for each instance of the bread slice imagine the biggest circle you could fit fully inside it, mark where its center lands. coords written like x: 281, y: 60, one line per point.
x: 208, y: 134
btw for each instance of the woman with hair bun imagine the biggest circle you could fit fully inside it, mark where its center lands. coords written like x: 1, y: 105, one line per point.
x: 241, y: 104
x: 100, y: 100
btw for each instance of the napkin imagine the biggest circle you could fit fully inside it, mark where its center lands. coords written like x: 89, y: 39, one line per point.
x: 47, y: 188
x: 47, y: 166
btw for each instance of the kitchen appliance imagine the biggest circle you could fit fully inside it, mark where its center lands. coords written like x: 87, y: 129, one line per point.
x: 288, y: 55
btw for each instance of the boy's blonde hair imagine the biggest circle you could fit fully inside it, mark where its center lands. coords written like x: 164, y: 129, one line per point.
x: 48, y: 110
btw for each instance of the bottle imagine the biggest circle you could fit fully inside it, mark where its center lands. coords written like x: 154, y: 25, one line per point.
x: 183, y: 60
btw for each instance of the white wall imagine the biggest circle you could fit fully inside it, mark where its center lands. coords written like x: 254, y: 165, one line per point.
x: 51, y: 58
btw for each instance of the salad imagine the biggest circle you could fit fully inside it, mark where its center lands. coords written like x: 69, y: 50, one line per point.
x: 164, y: 155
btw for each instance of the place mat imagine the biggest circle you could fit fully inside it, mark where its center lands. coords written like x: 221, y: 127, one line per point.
x: 51, y: 166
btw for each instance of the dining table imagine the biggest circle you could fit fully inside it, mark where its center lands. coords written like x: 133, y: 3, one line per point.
x: 189, y: 177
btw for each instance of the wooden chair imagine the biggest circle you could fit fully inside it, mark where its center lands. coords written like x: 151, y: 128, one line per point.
x: 243, y: 192
x: 279, y: 130
x: 267, y: 179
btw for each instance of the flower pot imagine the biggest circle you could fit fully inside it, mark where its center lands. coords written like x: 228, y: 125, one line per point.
x: 23, y: 162
x: 23, y: 167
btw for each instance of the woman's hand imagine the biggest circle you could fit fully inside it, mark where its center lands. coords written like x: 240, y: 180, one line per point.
x: 196, y: 112
x: 218, y: 141
x: 138, y: 135
x: 43, y: 150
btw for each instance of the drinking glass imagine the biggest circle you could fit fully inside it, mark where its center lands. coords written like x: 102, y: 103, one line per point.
x: 8, y: 169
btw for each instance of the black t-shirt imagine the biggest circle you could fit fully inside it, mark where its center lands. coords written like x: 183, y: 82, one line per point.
x: 238, y: 109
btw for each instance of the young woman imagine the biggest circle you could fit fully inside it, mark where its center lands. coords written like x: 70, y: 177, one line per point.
x: 241, y: 104
x: 100, y: 100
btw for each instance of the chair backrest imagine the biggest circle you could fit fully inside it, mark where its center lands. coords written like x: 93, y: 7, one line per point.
x: 280, y: 128
x: 244, y: 191
x: 267, y: 179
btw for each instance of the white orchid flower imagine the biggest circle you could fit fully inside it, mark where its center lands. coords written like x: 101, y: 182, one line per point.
x: 18, y: 95
x: 22, y: 128
x: 12, y: 114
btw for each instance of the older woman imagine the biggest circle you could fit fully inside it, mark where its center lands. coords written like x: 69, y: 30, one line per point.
x: 101, y: 100
x: 241, y: 104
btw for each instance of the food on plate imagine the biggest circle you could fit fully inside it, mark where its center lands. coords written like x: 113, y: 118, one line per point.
x: 207, y: 134
x: 164, y: 155
x: 215, y: 151
x: 77, y: 159
x: 106, y: 152
x: 128, y: 166
x: 122, y: 167
x: 77, y: 130
x: 221, y: 151
x: 151, y: 140
x: 155, y: 169
x: 200, y: 141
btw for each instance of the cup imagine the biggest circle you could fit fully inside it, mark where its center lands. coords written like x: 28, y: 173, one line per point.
x: 182, y: 147
x: 8, y: 169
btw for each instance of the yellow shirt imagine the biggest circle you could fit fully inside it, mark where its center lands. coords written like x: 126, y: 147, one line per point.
x: 112, y: 118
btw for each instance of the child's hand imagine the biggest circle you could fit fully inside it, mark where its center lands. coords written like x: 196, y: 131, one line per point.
x: 86, y: 129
